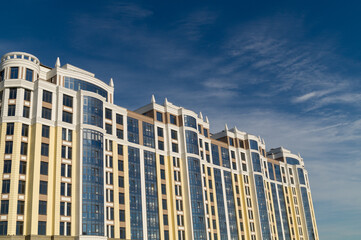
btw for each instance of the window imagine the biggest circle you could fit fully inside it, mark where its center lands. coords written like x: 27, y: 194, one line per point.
x: 120, y: 165
x: 205, y: 132
x: 11, y: 110
x: 4, y: 206
x: 25, y: 130
x: 165, y: 219
x: 67, y: 134
x: 120, y: 149
x: 174, y: 134
x: 8, y: 147
x: 42, y: 207
x: 14, y: 72
x: 108, y: 113
x: 108, y: 128
x: 47, y: 96
x: 122, y: 233
x: 46, y: 113
x: 119, y: 119
x: 67, y: 101
x: 29, y: 75
x: 22, y: 168
x: 43, y: 168
x: 120, y: 133
x: 231, y: 141
x: 161, y: 159
x: 26, y: 112
x: 3, y: 227
x: 41, y: 228
x: 7, y: 166
x: 164, y: 190
x: 2, y: 74
x: 19, y: 228
x: 173, y: 119
x: 45, y: 131
x: 67, y: 117
x: 160, y: 132
x: 10, y: 129
x: 164, y: 204
x: 24, y: 148
x: 121, y: 181
x: 27, y: 95
x: 174, y: 147
x: 43, y: 189
x: 21, y: 189
x: 6, y: 186
x: 44, y: 149
x: 122, y: 215
x: 12, y: 93
x: 162, y: 174
x: 160, y: 145
x: 121, y: 198
x: 62, y: 228
x: 159, y: 117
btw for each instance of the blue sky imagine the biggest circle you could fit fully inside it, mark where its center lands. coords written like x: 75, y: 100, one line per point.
x: 288, y: 71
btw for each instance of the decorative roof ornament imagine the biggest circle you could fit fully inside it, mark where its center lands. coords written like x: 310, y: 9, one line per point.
x: 152, y: 99
x: 57, y: 63
x: 111, y: 83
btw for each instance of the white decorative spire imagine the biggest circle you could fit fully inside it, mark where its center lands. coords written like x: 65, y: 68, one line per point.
x: 235, y: 128
x: 226, y: 127
x: 111, y: 83
x: 153, y: 99
x: 165, y: 101
x: 57, y: 63
x: 207, y: 121
x: 200, y: 115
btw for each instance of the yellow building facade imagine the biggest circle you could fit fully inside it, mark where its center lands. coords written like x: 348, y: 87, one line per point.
x: 76, y: 166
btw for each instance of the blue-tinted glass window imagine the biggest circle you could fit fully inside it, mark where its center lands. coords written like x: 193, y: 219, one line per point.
x: 93, y: 111
x: 43, y: 187
x: 151, y: 195
x: 29, y: 75
x: 7, y: 166
x: 292, y: 161
x: 12, y: 93
x: 46, y: 113
x: 135, y: 196
x: 205, y: 132
x: 67, y: 101
x: 27, y: 95
x: 192, y: 142
x: 93, y: 184
x: 278, y: 173
x: 119, y: 119
x: 173, y: 119
x: 196, y: 193
x: 14, y: 72
x: 253, y: 144
x: 3, y: 227
x: 220, y: 204
x: 262, y: 207
x: 190, y: 122
x: 159, y: 117
x: 148, y: 135
x: 256, y: 162
x: 308, y: 216
x: 301, y: 176
x: 4, y: 207
x: 277, y: 211
x: 215, y: 154
x: 47, y: 96
x: 41, y: 228
x: 8, y: 147
x: 133, y: 130
x: 231, y: 205
x: 225, y: 157
x: 77, y: 84
x: 67, y: 117
x: 270, y: 171
x: 11, y: 110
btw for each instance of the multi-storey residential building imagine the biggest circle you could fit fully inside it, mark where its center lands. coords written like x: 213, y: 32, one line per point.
x: 76, y: 166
